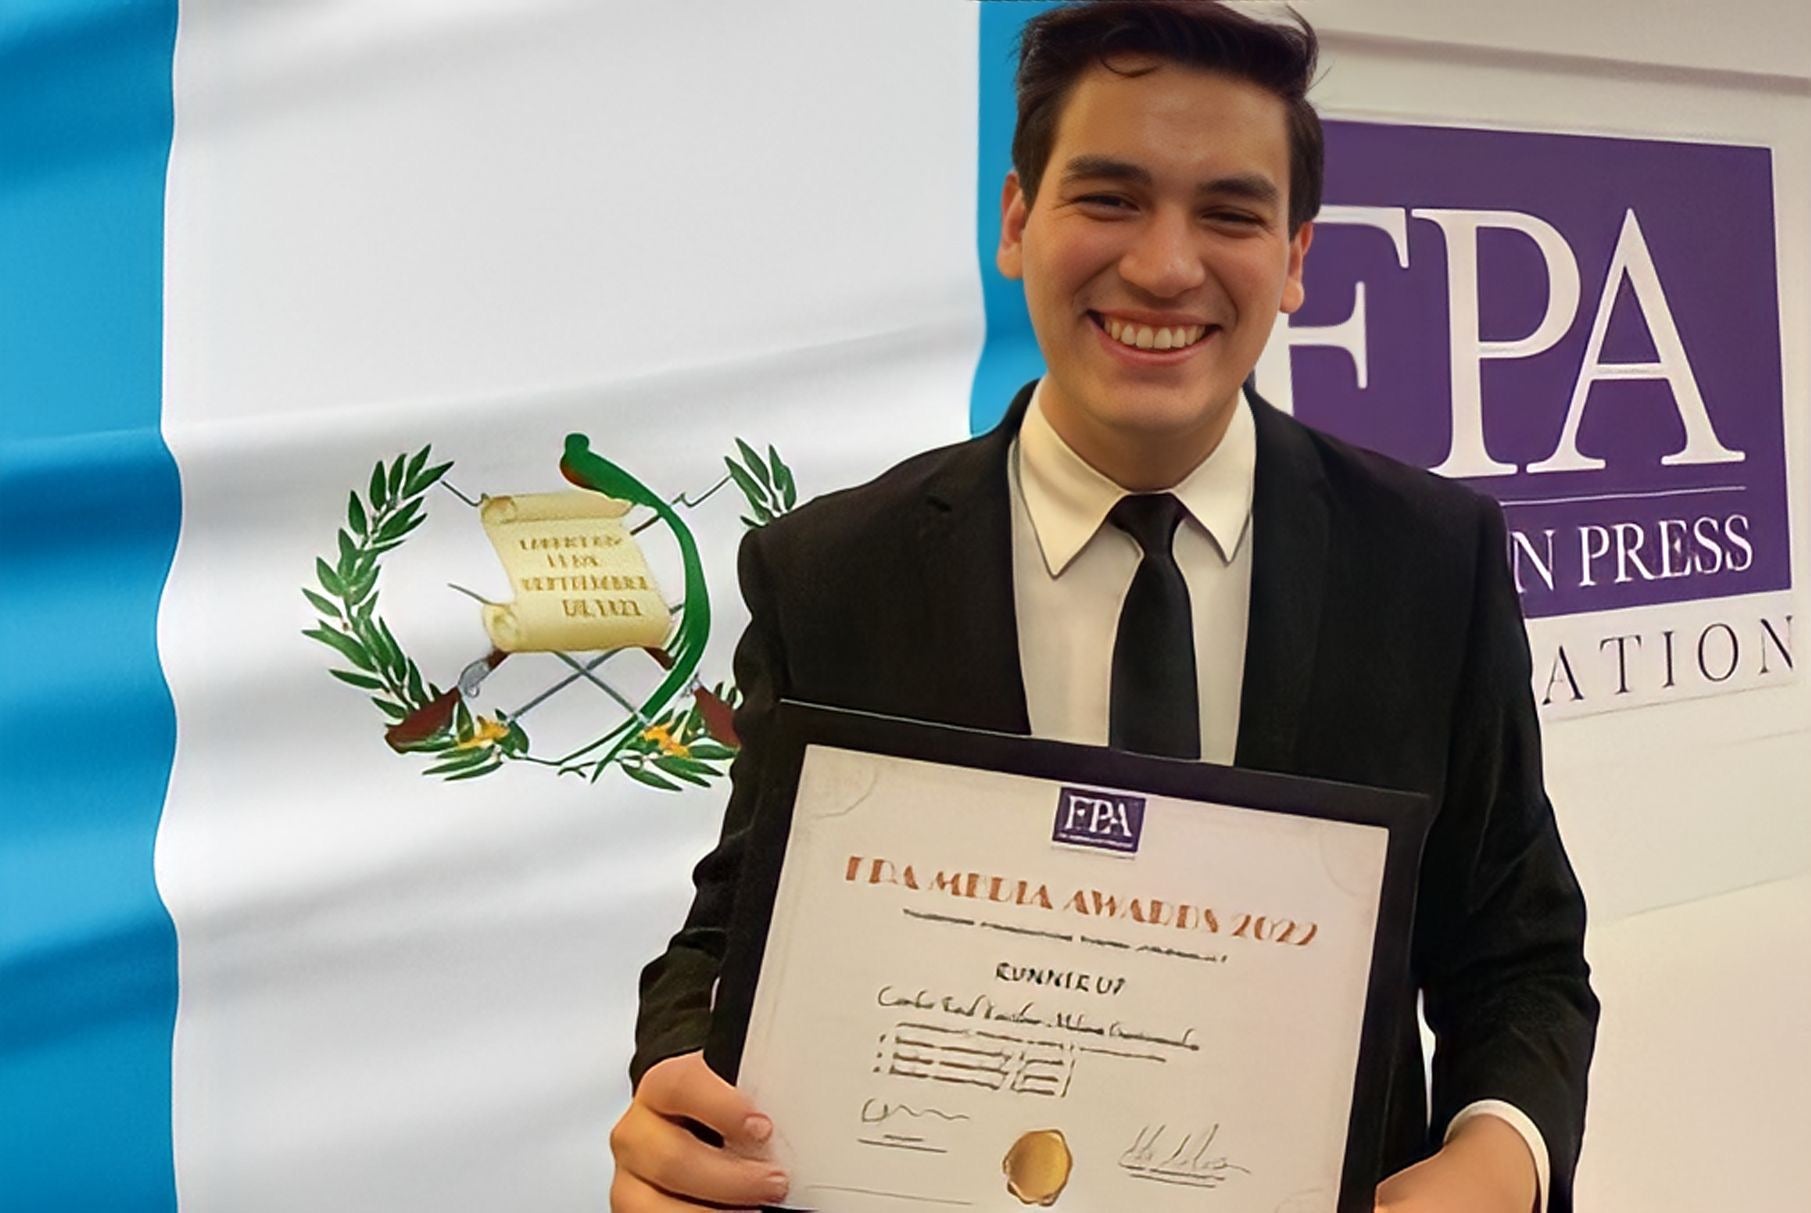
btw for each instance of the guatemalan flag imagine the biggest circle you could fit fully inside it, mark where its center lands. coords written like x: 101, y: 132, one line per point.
x: 288, y: 292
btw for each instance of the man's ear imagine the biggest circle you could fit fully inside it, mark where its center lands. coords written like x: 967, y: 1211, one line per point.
x: 1293, y: 293
x: 1009, y: 257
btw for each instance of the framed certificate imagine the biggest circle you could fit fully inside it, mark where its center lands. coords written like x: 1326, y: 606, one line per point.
x: 971, y: 970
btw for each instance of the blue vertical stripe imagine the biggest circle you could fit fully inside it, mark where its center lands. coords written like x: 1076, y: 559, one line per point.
x: 1009, y: 355
x: 91, y: 501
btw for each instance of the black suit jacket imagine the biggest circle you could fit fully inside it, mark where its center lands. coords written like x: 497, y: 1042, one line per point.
x: 1385, y: 647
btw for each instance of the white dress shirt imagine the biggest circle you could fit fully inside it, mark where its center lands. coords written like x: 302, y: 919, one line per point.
x: 1070, y: 575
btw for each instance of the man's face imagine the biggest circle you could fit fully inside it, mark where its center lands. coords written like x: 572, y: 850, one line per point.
x: 1164, y: 207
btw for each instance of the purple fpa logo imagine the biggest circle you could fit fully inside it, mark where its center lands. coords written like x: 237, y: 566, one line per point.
x: 1107, y: 820
x: 1587, y: 328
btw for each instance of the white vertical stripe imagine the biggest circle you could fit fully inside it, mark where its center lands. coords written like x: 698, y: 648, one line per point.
x: 489, y: 224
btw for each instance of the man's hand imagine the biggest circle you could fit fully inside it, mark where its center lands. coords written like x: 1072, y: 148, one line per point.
x: 1484, y: 1168
x: 661, y: 1167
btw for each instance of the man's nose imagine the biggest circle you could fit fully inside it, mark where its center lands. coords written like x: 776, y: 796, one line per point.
x: 1165, y: 256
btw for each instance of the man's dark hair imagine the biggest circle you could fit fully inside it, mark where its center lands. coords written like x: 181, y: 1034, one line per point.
x: 1057, y: 46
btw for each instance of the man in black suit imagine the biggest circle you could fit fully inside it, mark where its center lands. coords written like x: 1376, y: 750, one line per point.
x: 1166, y: 172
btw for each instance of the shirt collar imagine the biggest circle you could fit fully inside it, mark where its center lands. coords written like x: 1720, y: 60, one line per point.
x: 1067, y: 499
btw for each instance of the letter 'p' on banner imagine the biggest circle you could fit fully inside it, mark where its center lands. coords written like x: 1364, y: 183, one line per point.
x: 1588, y: 329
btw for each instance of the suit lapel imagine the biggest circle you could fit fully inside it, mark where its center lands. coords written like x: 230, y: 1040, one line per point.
x: 965, y: 549
x: 1288, y: 583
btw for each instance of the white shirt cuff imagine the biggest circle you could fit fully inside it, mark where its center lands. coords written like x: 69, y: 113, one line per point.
x: 1518, y: 1120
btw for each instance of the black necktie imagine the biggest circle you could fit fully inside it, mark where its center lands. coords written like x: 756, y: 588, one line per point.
x: 1155, y: 707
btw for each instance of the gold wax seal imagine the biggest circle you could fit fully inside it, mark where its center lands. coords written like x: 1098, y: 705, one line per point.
x: 1037, y: 1167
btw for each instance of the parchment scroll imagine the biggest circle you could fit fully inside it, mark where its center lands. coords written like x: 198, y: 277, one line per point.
x: 581, y: 584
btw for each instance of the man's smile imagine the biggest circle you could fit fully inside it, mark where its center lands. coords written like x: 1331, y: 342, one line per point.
x: 1137, y: 338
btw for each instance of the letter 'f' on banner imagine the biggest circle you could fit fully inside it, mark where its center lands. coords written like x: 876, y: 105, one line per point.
x: 1275, y: 375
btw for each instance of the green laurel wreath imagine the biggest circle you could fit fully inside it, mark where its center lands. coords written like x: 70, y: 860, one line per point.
x: 677, y: 745
x: 767, y: 485
x: 350, y: 625
x: 663, y: 746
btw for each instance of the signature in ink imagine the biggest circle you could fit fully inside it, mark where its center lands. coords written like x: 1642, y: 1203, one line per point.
x: 876, y: 1111
x: 1190, y: 1161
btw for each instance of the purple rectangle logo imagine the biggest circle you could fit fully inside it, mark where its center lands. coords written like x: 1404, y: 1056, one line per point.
x: 1586, y: 328
x: 1111, y: 821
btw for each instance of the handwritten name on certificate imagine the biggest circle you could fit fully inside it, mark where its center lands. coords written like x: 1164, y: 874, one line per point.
x: 991, y: 991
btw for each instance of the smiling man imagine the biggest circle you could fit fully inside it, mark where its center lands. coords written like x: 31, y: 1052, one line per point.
x: 1156, y: 256
x: 1144, y: 554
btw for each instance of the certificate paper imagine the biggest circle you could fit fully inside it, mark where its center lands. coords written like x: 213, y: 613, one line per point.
x: 989, y: 988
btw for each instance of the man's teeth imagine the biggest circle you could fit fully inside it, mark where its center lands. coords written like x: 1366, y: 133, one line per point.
x: 1144, y: 337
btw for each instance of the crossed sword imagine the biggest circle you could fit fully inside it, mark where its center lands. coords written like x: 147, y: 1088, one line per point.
x: 433, y: 716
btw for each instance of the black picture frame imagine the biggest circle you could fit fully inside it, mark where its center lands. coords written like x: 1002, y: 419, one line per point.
x: 1404, y: 815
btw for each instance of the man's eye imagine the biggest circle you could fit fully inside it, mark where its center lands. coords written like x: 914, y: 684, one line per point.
x: 1112, y: 200
x: 1233, y: 217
